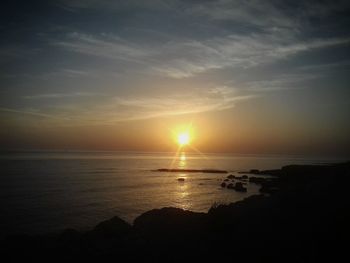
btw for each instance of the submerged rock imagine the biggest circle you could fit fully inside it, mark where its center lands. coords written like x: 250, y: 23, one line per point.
x: 223, y: 185
x: 181, y: 179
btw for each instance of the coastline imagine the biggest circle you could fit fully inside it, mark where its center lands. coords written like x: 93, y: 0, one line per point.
x: 304, y: 217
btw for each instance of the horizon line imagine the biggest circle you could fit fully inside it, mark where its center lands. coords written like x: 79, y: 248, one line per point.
x: 297, y: 155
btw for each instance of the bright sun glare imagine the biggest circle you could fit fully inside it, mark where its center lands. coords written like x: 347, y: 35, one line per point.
x: 183, y: 139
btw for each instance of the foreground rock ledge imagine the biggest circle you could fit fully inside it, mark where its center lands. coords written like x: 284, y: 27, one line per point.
x: 305, y: 221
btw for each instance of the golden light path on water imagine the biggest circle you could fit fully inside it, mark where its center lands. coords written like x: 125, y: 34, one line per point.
x: 182, y: 190
x: 183, y: 138
x: 180, y: 161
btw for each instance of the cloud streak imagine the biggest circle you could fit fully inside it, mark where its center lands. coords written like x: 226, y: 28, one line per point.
x: 216, y: 99
x: 61, y: 95
x: 34, y: 113
x: 186, y: 58
x: 120, y: 109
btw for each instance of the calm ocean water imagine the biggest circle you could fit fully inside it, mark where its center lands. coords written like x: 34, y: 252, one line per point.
x: 49, y: 191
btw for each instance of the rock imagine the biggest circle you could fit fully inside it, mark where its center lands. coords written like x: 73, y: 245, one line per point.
x: 181, y: 179
x: 311, y: 207
x: 223, y: 185
x: 190, y: 170
x: 226, y: 180
x: 230, y: 186
x: 257, y: 180
x: 69, y: 235
x: 268, y: 190
x: 114, y: 227
x: 239, y: 187
x: 231, y: 176
x: 254, y: 171
x: 271, y: 172
x: 169, y: 225
x: 242, y: 178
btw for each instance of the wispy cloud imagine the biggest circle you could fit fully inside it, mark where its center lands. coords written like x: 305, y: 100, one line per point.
x: 257, y: 13
x: 74, y: 72
x: 266, y: 15
x: 61, y: 95
x: 325, y: 66
x: 282, y: 82
x: 70, y: 73
x: 157, y: 107
x: 185, y: 58
x: 198, y: 101
x: 107, y: 46
x: 115, y: 5
x: 261, y: 32
x: 35, y: 113
x: 117, y: 109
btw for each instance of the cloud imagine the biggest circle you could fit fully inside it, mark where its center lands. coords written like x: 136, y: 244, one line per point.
x: 326, y: 66
x: 254, y: 12
x: 74, y: 72
x: 256, y: 33
x: 115, y: 4
x: 110, y: 110
x: 268, y: 14
x: 61, y: 95
x: 187, y: 57
x: 34, y: 113
x: 212, y: 100
x: 282, y: 82
x: 107, y: 46
x: 70, y: 73
x: 198, y: 101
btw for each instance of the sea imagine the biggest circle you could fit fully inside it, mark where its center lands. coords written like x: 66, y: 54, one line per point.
x: 47, y: 192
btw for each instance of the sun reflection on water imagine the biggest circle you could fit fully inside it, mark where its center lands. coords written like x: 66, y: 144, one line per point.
x: 182, y: 160
x: 182, y: 192
x: 182, y: 189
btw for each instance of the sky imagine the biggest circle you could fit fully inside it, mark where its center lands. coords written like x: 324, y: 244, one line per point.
x: 252, y: 77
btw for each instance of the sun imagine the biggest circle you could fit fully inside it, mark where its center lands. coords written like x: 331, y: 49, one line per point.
x: 183, y: 138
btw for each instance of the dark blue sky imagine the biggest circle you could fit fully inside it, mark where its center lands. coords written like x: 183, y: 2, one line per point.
x: 270, y: 76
